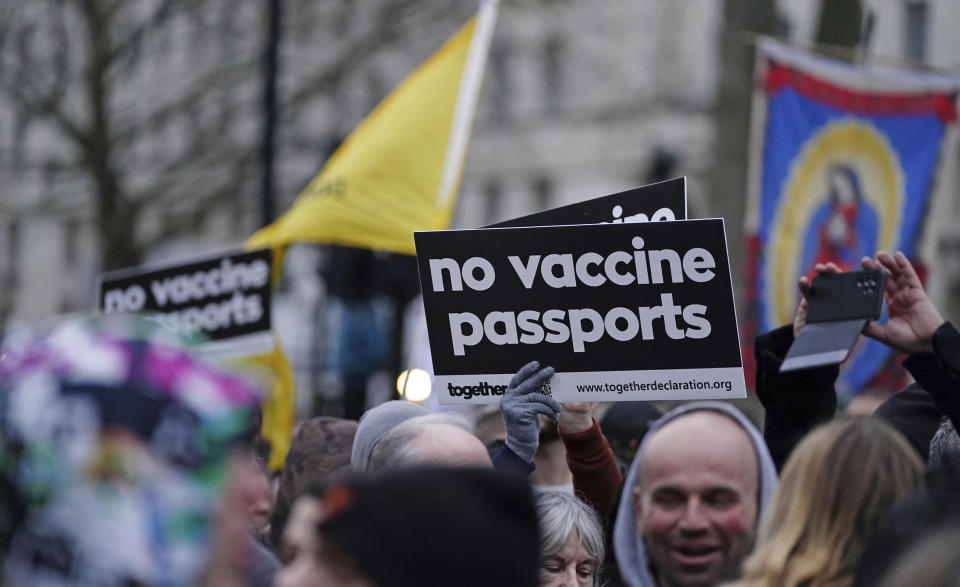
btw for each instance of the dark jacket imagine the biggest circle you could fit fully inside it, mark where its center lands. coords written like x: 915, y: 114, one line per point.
x: 798, y: 401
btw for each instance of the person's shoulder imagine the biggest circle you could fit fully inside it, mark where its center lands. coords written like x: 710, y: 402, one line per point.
x: 264, y: 565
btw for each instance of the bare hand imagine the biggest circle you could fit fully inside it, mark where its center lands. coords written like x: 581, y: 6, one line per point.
x: 576, y: 416
x: 913, y: 317
x: 803, y: 284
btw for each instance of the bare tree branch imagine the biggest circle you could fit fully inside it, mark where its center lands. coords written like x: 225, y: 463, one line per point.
x: 229, y: 74
x: 134, y: 37
x: 386, y: 29
x: 74, y: 67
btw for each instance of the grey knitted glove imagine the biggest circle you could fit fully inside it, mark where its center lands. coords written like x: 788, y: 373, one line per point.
x: 521, y: 407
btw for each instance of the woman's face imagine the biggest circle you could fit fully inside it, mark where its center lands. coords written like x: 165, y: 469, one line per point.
x: 572, y: 566
x: 841, y: 188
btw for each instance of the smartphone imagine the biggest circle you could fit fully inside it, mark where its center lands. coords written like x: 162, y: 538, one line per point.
x: 839, y: 305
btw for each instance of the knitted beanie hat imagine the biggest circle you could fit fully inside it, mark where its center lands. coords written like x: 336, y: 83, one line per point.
x: 453, y: 526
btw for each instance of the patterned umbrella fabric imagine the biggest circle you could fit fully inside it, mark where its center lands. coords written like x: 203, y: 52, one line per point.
x: 113, y: 446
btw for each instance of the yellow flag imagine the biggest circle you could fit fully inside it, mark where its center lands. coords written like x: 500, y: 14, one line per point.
x: 278, y: 405
x: 399, y: 170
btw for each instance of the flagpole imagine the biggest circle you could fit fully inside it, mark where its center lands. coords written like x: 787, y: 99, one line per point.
x: 268, y: 146
x: 467, y: 98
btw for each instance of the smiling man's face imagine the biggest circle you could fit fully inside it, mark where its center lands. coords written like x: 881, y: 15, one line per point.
x: 696, y: 503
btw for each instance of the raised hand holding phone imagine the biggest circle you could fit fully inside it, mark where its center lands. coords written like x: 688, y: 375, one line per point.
x: 803, y: 284
x: 834, y: 310
x: 913, y: 317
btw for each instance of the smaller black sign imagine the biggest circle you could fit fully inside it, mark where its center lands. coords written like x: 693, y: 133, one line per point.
x: 663, y: 201
x: 224, y: 296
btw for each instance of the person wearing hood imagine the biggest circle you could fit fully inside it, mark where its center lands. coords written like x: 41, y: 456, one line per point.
x: 692, y: 498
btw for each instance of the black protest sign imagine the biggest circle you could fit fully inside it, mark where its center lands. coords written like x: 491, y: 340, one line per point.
x: 224, y: 296
x: 621, y: 311
x: 666, y: 200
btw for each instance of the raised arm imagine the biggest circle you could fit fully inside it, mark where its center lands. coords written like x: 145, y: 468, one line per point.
x: 596, y: 476
x: 913, y: 317
x: 797, y: 401
x: 916, y: 327
x: 521, y: 407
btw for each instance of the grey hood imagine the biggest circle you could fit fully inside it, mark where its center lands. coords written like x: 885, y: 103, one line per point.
x: 376, y: 422
x: 628, y: 545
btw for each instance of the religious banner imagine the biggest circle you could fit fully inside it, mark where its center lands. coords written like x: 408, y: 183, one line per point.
x: 844, y: 161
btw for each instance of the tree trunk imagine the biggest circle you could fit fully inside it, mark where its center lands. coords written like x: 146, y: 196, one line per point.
x: 117, y: 217
x: 728, y: 185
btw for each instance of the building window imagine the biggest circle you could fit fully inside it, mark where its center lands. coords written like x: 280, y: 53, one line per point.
x: 553, y: 55
x: 71, y: 241
x: 13, y: 242
x: 542, y: 193
x: 198, y: 220
x: 240, y: 219
x: 21, y: 124
x: 501, y: 88
x: 493, y: 194
x: 916, y: 13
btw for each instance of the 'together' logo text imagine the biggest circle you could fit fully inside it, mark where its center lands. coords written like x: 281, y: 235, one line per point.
x: 469, y: 391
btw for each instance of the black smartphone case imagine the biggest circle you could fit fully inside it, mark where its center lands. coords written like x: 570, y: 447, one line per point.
x: 846, y: 296
x: 838, y: 307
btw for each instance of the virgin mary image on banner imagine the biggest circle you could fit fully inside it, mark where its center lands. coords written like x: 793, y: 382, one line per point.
x: 844, y: 228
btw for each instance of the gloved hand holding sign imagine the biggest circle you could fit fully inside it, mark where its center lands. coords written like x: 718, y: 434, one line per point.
x: 521, y: 407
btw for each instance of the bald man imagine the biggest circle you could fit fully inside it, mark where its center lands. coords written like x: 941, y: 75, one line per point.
x: 692, y: 499
x: 436, y: 439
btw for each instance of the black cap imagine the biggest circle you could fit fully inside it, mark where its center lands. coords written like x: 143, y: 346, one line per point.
x: 626, y: 423
x: 452, y: 526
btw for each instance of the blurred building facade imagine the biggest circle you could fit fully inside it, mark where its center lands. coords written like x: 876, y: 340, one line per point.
x: 580, y: 102
x: 577, y: 102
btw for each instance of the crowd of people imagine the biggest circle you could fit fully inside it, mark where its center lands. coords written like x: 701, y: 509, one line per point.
x: 126, y: 460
